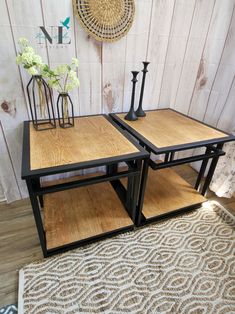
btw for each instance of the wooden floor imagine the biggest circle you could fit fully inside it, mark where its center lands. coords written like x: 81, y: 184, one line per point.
x: 19, y: 244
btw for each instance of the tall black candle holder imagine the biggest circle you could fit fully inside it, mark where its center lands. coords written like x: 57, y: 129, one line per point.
x: 131, y: 116
x: 140, y: 112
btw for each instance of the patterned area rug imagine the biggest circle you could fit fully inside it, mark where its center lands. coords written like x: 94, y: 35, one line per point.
x: 181, y: 265
x: 9, y: 309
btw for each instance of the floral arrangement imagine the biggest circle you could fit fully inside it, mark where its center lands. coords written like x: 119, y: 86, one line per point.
x: 31, y: 61
x: 63, y: 78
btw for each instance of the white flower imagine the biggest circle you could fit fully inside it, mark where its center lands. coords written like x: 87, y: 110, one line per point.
x: 69, y: 87
x: 63, y: 78
x: 33, y: 71
x: 76, y: 82
x: 18, y: 59
x: 29, y: 50
x: 37, y: 59
x: 61, y: 69
x: 72, y: 75
x: 53, y: 83
x: 31, y: 61
x: 75, y: 62
x: 23, y: 41
x: 27, y: 58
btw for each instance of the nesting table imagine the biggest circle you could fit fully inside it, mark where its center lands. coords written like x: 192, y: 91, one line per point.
x: 136, y: 183
x: 82, y: 208
x: 164, y: 133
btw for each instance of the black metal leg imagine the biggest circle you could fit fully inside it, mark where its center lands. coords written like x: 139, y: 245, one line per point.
x: 166, y: 157
x: 135, y: 193
x: 202, y: 170
x: 129, y: 196
x: 37, y: 184
x: 111, y: 169
x: 37, y: 216
x: 132, y: 192
x: 108, y: 169
x: 143, y: 182
x: 172, y: 155
x: 211, y: 172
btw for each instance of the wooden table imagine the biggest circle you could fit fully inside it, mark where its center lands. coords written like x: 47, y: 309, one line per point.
x: 165, y: 132
x: 81, y: 209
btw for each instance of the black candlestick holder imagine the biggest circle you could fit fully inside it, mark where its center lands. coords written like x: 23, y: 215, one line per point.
x: 140, y: 112
x: 131, y: 116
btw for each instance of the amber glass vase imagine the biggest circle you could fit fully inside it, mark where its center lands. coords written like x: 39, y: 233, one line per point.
x: 65, y: 110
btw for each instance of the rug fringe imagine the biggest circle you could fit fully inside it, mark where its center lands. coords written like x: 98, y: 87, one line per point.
x: 227, y: 212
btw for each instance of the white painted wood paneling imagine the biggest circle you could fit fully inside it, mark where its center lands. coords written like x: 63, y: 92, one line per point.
x: 160, y: 27
x: 25, y: 20
x: 211, y: 57
x: 224, y: 79
x: 89, y: 53
x: 2, y: 195
x: 226, y: 120
x: 13, y: 107
x: 113, y: 75
x: 198, y: 34
x: 136, y: 49
x: 210, y: 60
x: 7, y: 175
x: 54, y: 13
x: 181, y: 25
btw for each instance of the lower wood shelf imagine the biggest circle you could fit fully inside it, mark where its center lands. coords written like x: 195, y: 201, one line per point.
x: 89, y: 211
x: 166, y: 192
x: 81, y: 213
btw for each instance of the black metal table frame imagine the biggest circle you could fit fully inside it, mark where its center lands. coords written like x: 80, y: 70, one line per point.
x: 128, y: 196
x: 213, y: 150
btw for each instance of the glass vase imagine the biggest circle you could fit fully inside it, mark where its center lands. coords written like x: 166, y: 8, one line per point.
x: 40, y: 104
x: 65, y: 110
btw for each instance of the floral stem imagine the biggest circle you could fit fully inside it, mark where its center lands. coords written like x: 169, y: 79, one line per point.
x: 41, y: 98
x: 65, y: 82
x: 61, y: 88
x: 65, y: 106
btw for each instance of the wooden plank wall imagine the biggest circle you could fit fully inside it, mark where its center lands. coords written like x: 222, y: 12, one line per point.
x: 2, y: 196
x: 190, y: 44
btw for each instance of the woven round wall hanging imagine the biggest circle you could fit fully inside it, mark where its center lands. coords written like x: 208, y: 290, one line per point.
x: 105, y: 20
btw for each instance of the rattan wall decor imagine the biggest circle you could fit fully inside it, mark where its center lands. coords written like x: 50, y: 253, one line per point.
x: 105, y: 20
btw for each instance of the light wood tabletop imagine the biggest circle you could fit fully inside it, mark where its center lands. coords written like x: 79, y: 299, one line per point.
x: 166, y: 128
x: 91, y: 138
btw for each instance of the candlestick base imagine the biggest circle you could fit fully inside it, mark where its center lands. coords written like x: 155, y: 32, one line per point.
x: 140, y: 112
x: 131, y: 116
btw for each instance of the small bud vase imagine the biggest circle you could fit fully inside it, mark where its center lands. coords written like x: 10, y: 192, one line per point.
x: 65, y: 110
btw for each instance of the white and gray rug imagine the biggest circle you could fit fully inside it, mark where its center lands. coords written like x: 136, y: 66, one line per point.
x: 8, y: 309
x: 181, y: 265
